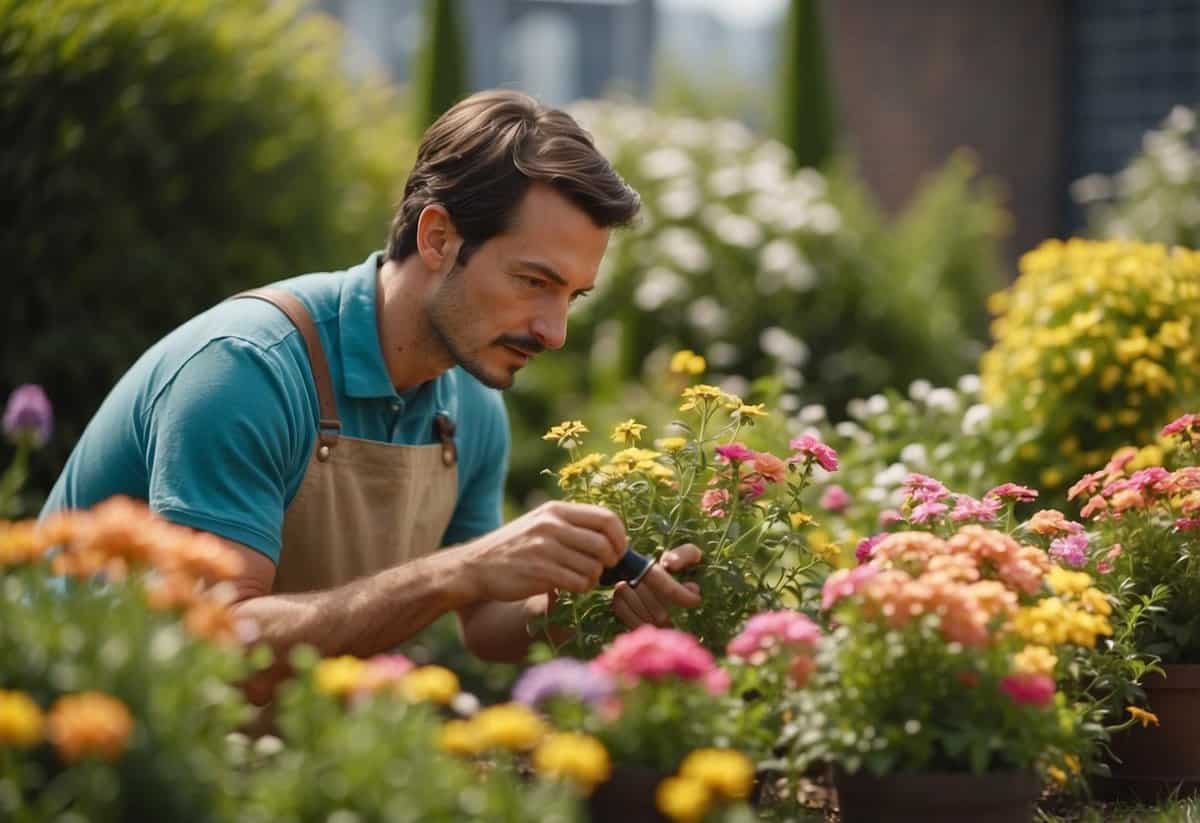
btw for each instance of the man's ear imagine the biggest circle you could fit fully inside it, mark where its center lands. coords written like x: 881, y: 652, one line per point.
x: 438, y: 241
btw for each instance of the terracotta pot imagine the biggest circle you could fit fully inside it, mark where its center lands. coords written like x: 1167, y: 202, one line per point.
x: 1000, y: 797
x: 1157, y: 760
x: 627, y: 797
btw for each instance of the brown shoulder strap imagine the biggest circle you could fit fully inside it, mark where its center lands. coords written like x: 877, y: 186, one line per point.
x: 329, y: 426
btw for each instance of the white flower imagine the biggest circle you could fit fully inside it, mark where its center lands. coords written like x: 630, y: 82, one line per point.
x: 914, y: 455
x: 788, y: 403
x: 877, y: 404
x: 969, y: 384
x: 737, y: 230
x: 666, y: 162
x: 680, y: 200
x: 825, y: 219
x: 847, y: 429
x: 780, y: 343
x: 707, y: 315
x: 892, y: 476
x: 919, y: 389
x: 721, y: 354
x: 813, y: 413
x: 1091, y: 188
x: 792, y: 378
x: 944, y: 400
x: 658, y: 286
x: 685, y: 248
x: 857, y: 408
x: 976, y: 418
x: 735, y: 384
x: 732, y: 137
x: 1181, y: 118
x: 726, y: 181
x: 874, y: 494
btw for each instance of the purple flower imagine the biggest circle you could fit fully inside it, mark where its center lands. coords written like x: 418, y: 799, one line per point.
x: 28, y: 415
x: 1070, y: 550
x: 562, y: 677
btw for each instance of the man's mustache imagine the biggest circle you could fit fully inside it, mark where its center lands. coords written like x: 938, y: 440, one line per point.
x: 526, y: 344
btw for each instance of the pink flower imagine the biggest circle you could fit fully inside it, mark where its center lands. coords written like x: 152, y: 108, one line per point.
x: 752, y: 487
x: 1029, y: 689
x: 771, y: 630
x: 717, y: 681
x: 713, y: 501
x: 889, y: 517
x: 835, y: 499
x: 651, y: 653
x: 1095, y: 506
x: 924, y: 489
x: 927, y: 511
x: 1180, y: 425
x: 1105, y: 566
x: 770, y: 467
x: 1070, y: 550
x: 807, y: 447
x: 1186, y: 524
x: 968, y: 508
x: 734, y: 452
x: 1120, y: 459
x: 845, y: 583
x: 866, y: 546
x: 1086, y: 484
x: 1013, y: 492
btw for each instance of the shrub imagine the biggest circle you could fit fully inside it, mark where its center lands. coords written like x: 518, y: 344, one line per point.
x: 162, y: 156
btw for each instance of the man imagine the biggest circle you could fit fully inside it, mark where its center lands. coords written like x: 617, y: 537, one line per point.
x: 337, y: 428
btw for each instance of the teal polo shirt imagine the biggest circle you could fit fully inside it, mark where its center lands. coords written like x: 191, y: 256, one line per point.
x: 215, y: 424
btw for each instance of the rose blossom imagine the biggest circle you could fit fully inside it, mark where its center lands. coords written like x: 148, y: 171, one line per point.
x: 651, y: 653
x: 808, y: 447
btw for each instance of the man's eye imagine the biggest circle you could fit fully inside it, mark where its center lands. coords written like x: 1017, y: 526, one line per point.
x: 533, y: 282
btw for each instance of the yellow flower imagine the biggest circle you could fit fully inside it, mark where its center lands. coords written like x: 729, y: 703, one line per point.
x: 687, y: 361
x: 671, y: 444
x: 682, y: 799
x: 339, y: 675
x: 509, y: 726
x: 433, y: 683
x: 579, y: 757
x: 89, y: 723
x: 699, y: 396
x: 726, y: 772
x: 566, y: 433
x: 21, y: 720
x: 800, y: 519
x: 1034, y: 660
x: 1072, y: 763
x: 1096, y: 601
x: 459, y: 737
x: 748, y: 412
x: 1065, y: 582
x: 580, y: 468
x: 633, y: 458
x: 1146, y: 718
x: 628, y: 432
x: 1057, y: 775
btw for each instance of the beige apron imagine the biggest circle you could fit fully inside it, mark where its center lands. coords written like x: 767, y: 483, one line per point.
x: 363, y: 505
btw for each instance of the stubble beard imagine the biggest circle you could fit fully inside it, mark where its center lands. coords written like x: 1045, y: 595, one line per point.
x: 442, y: 312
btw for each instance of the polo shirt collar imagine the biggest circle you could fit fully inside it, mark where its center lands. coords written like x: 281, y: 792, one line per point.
x: 364, y: 373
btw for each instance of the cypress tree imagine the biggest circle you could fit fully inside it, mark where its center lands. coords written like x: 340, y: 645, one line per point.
x: 805, y: 117
x: 440, y: 73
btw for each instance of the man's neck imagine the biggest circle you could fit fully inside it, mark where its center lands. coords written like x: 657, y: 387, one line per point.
x: 411, y: 350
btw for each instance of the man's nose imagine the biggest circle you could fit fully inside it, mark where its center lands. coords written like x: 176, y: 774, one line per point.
x: 550, y: 329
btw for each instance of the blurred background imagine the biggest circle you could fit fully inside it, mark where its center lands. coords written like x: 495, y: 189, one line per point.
x: 832, y: 189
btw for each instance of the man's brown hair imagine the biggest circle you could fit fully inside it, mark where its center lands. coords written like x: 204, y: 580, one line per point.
x: 480, y: 157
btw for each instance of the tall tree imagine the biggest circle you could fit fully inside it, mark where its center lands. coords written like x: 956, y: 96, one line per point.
x: 805, y: 117
x: 440, y: 73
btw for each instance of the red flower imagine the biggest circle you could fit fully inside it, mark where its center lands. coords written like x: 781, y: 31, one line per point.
x: 1029, y: 689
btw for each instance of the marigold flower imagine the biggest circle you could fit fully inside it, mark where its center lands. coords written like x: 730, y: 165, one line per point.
x: 682, y: 799
x: 1067, y: 583
x: 509, y: 726
x: 1142, y: 716
x: 687, y: 361
x: 459, y: 737
x: 339, y: 676
x: 580, y: 468
x: 21, y: 720
x: 628, y: 432
x: 89, y: 724
x: 436, y: 684
x: 727, y: 773
x: 578, y: 757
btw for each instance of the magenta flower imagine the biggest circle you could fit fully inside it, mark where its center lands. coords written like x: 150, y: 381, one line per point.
x: 835, y: 499
x: 807, y: 447
x: 651, y: 653
x: 753, y: 488
x: 1070, y: 550
x: 28, y: 415
x: 845, y: 583
x: 713, y: 502
x: 1029, y: 689
x: 1180, y: 425
x: 734, y: 452
x: 930, y: 510
x: 562, y: 677
x: 866, y: 547
x: 968, y: 508
x: 925, y: 489
x: 1013, y: 492
x: 1187, y: 524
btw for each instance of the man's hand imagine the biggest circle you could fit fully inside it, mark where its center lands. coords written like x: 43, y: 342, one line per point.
x: 556, y: 546
x: 658, y: 590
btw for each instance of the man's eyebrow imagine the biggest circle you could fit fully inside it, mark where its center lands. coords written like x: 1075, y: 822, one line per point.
x: 543, y: 269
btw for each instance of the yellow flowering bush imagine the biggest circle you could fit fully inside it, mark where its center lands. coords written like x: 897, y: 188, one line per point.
x: 701, y: 484
x: 1096, y: 346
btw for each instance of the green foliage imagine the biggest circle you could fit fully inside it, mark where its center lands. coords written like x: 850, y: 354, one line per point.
x: 806, y: 111
x: 1156, y: 198
x: 440, y: 73
x: 162, y: 156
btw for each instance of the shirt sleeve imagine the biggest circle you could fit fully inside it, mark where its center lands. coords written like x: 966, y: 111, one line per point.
x: 228, y: 443
x: 481, y: 492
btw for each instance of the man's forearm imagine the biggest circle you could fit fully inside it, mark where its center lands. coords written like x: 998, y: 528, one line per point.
x: 366, y: 616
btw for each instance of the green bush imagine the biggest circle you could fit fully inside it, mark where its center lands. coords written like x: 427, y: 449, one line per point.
x: 767, y: 271
x: 159, y: 157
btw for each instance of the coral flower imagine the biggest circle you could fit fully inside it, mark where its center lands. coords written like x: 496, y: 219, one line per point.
x: 770, y: 467
x: 89, y: 724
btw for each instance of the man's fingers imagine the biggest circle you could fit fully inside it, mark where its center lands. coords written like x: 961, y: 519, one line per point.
x: 663, y: 586
x: 597, y: 519
x: 681, y: 557
x: 653, y: 604
x: 591, y: 544
x: 626, y: 614
x: 624, y: 594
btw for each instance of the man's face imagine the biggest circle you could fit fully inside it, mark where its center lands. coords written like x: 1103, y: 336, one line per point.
x: 510, y: 301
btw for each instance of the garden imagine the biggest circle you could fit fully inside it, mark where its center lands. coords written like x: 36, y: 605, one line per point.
x: 949, y: 515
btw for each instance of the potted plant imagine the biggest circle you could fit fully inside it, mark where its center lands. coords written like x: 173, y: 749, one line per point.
x: 1144, y: 511
x: 934, y: 696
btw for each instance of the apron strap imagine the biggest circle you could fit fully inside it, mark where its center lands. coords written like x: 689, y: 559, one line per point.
x: 328, y: 425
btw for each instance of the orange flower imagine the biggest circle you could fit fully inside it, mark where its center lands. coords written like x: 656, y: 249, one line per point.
x: 89, y: 724
x: 1048, y: 522
x: 212, y: 621
x: 1144, y: 717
